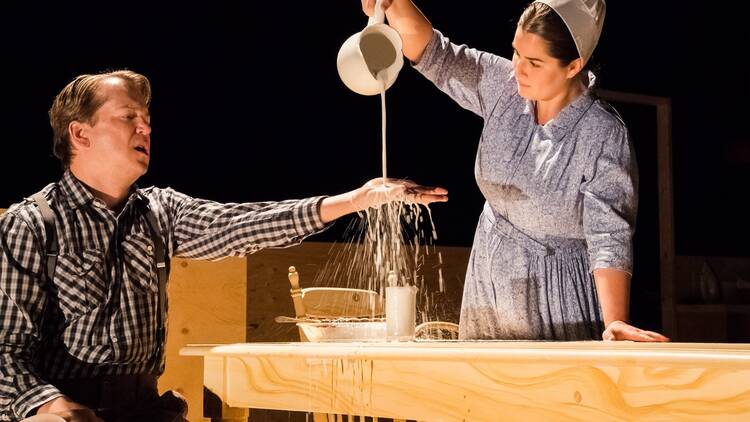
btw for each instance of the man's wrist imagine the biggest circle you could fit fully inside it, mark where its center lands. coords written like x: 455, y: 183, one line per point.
x: 57, y: 404
x: 44, y: 408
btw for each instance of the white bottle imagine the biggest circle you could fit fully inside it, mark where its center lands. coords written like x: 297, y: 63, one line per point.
x: 400, y: 310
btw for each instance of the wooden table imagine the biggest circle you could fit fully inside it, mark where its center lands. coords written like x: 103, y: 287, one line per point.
x: 486, y: 381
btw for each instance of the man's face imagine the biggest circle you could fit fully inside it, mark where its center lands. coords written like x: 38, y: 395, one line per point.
x: 119, y: 134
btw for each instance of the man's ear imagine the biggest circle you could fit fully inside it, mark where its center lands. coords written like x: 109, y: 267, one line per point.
x: 574, y: 67
x: 78, y: 133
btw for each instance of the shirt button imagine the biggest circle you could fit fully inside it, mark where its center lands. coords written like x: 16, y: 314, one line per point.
x: 150, y: 248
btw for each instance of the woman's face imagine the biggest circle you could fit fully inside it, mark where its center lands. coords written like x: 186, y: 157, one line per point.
x: 540, y: 77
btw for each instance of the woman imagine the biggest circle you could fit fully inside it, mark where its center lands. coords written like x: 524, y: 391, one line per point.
x: 552, y: 253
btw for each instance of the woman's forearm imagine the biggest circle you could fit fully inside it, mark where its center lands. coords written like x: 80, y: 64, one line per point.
x: 412, y: 25
x: 613, y: 289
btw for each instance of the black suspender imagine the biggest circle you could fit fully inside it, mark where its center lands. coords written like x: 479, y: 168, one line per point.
x: 160, y: 256
x: 50, y: 246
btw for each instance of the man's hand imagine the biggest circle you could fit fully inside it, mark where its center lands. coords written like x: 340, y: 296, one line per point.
x: 620, y: 330
x: 68, y: 410
x: 376, y: 193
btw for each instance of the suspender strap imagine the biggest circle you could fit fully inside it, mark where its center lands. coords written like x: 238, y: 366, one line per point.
x: 160, y: 255
x: 50, y: 245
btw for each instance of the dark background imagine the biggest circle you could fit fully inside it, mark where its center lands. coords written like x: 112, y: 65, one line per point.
x: 248, y: 106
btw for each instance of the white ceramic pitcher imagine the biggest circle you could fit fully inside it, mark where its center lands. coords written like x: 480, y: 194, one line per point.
x: 376, y: 49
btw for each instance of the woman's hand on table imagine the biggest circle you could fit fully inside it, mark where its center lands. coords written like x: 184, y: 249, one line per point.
x: 621, y: 330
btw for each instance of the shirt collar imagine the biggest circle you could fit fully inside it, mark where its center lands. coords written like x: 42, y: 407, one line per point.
x: 78, y: 195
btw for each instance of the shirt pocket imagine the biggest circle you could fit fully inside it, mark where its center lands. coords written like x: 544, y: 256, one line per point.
x: 80, y: 282
x: 139, y: 275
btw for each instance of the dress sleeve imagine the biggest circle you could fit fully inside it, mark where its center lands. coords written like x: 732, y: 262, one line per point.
x: 476, y: 80
x: 610, y: 201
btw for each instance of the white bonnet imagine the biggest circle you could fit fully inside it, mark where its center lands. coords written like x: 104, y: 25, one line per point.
x: 584, y: 19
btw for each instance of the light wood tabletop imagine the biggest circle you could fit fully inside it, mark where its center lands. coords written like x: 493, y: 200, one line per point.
x: 485, y: 380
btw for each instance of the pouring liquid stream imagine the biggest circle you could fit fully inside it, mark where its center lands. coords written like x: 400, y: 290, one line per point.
x: 382, y: 79
x: 379, y: 55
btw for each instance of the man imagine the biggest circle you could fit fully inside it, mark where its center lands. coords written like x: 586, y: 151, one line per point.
x: 84, y: 262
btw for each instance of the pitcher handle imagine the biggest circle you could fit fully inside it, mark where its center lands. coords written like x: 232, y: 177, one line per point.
x: 379, y: 15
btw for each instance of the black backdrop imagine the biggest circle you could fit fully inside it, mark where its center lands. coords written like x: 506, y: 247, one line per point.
x: 248, y: 106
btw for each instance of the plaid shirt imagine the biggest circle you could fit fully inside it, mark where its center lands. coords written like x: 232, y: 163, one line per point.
x: 99, y: 315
